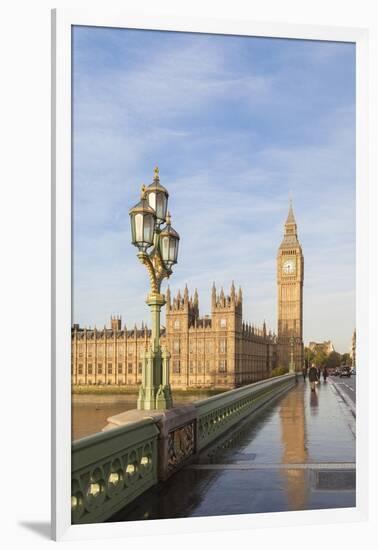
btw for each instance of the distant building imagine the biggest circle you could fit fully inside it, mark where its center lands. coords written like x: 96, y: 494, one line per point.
x: 353, y: 349
x: 219, y: 350
x: 326, y: 347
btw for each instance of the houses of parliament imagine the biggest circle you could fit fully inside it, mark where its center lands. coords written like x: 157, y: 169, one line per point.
x: 219, y: 350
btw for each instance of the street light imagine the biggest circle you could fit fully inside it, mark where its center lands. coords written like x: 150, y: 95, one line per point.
x: 146, y: 219
x: 292, y: 364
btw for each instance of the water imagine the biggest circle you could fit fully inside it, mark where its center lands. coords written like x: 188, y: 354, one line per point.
x: 90, y: 412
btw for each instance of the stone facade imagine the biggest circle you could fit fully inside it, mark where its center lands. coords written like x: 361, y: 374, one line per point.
x: 215, y: 351
x: 290, y: 274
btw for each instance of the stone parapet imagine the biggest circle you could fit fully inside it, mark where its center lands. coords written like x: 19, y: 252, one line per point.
x: 137, y: 448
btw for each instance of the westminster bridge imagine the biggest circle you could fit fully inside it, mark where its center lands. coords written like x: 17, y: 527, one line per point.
x: 270, y: 446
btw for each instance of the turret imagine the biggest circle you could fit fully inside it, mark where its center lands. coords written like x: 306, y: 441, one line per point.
x: 232, y: 293
x: 168, y: 298
x: 116, y: 323
x: 213, y: 297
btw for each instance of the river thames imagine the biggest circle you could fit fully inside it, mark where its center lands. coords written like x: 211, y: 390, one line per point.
x: 90, y: 412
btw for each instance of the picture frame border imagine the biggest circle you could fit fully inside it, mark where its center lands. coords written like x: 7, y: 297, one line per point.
x: 61, y: 299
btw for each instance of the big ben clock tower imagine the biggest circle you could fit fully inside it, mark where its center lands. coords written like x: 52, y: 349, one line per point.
x: 290, y: 268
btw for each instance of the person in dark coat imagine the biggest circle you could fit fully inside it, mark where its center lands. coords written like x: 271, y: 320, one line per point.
x: 313, y: 376
x: 325, y: 374
x: 304, y: 372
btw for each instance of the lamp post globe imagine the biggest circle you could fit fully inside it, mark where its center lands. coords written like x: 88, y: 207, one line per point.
x: 169, y: 243
x: 142, y: 219
x: 157, y: 197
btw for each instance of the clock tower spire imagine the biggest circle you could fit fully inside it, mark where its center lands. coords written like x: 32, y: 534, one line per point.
x: 290, y: 272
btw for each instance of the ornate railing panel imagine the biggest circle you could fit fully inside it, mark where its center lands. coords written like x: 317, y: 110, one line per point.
x: 110, y: 469
x: 217, y: 414
x: 181, y: 445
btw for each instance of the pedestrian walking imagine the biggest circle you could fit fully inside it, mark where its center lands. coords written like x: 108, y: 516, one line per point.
x: 318, y: 372
x: 325, y: 374
x: 313, y: 376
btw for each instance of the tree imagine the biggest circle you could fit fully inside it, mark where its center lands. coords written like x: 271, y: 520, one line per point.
x: 320, y: 358
x: 309, y: 356
x: 346, y: 359
x: 333, y: 360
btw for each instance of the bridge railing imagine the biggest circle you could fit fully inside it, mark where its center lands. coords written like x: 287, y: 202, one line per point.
x: 217, y: 414
x: 112, y: 468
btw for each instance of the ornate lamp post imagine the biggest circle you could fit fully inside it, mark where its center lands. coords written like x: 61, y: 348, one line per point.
x: 292, y: 365
x: 146, y: 219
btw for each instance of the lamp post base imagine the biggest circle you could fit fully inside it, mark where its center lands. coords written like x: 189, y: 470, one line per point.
x: 152, y: 399
x: 154, y: 395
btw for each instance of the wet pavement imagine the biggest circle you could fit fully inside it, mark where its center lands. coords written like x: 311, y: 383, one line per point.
x: 296, y: 454
x: 347, y: 385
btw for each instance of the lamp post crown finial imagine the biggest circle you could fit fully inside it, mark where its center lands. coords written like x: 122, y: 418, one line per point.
x: 156, y: 173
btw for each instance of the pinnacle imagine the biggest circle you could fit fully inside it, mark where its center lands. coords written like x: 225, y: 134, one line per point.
x: 290, y: 216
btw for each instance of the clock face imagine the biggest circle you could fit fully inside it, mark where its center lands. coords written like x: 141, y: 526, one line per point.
x: 288, y: 267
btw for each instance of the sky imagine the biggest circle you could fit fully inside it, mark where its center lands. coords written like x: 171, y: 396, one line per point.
x: 235, y: 125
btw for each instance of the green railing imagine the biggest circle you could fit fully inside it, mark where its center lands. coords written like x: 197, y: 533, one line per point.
x: 217, y: 414
x: 110, y: 469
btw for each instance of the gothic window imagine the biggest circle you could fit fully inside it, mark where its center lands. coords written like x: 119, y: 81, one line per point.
x: 223, y: 323
x: 139, y: 368
x: 99, y: 368
x: 176, y: 346
x: 110, y: 368
x: 176, y: 367
x: 119, y: 368
x: 176, y: 325
x: 129, y: 368
x: 90, y: 368
x: 222, y: 345
x: 80, y: 369
x: 222, y: 365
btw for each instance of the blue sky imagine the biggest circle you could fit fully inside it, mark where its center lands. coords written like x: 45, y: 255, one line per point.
x: 235, y: 124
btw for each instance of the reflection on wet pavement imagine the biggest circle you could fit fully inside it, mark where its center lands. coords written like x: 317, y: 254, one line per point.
x: 296, y: 454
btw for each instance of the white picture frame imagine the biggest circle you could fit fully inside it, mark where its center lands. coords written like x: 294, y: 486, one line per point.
x: 62, y: 22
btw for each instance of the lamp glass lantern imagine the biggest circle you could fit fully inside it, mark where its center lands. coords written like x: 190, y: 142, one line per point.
x: 157, y: 197
x: 169, y: 243
x: 142, y: 219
